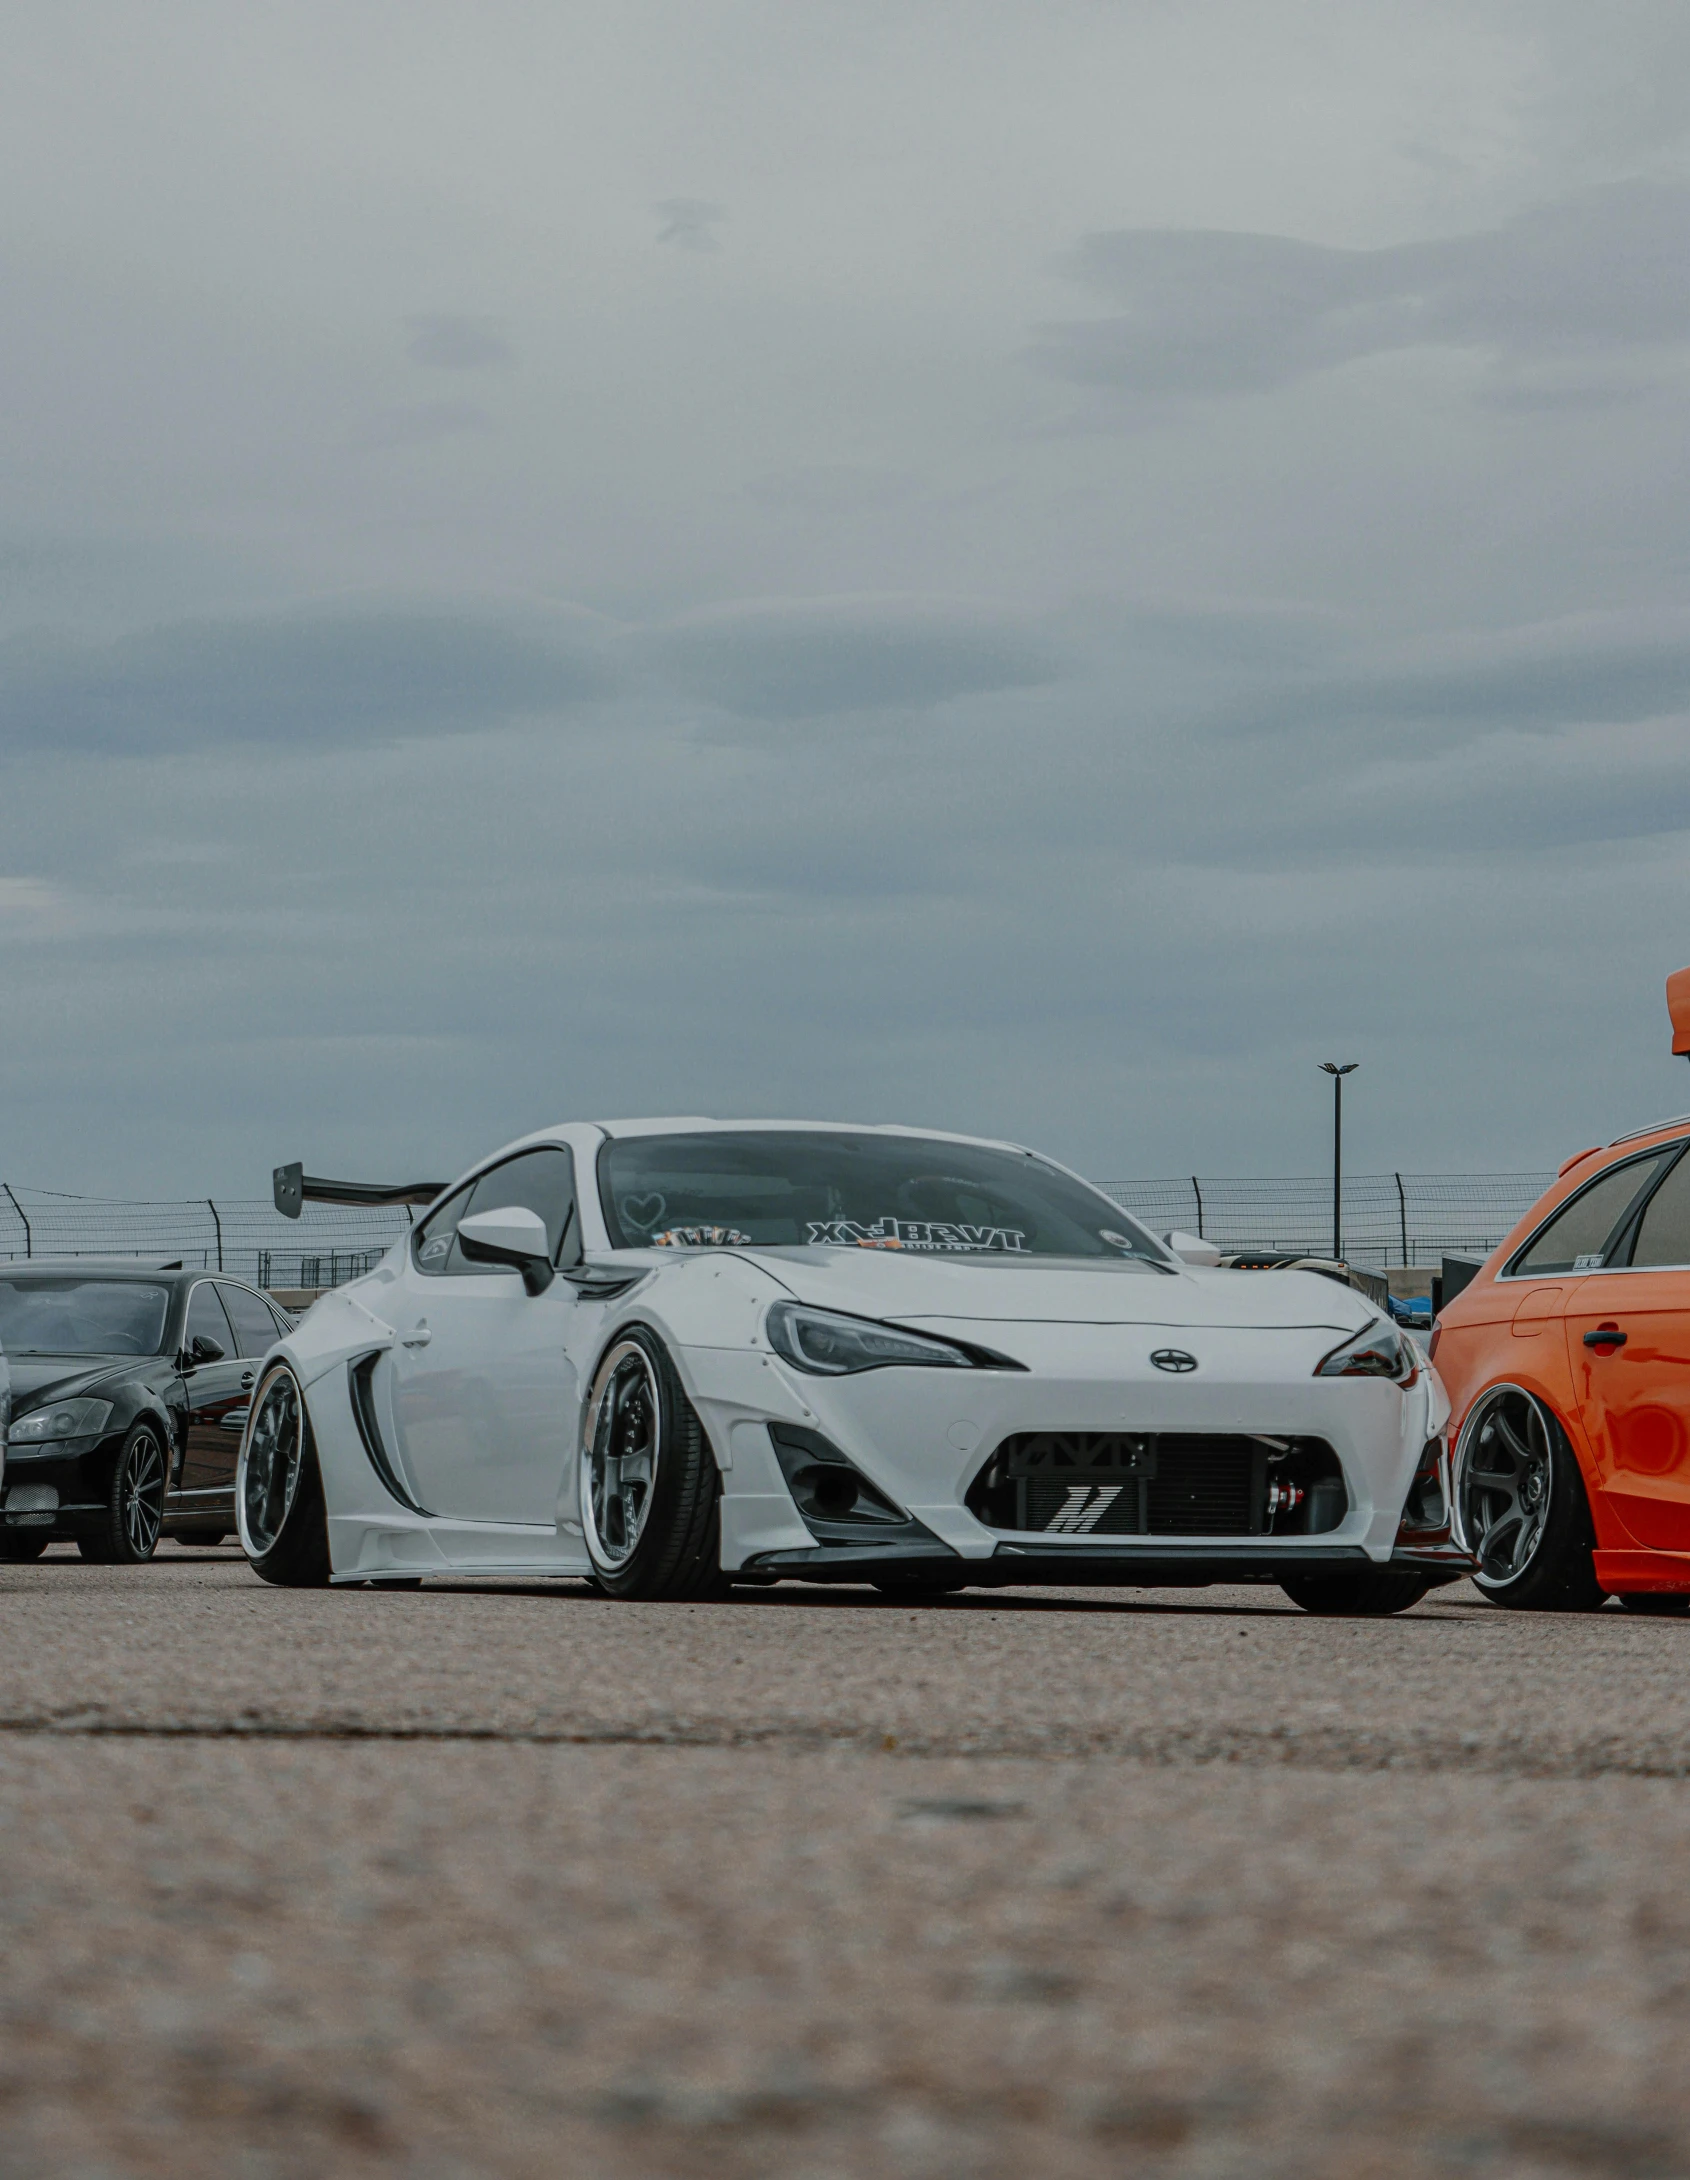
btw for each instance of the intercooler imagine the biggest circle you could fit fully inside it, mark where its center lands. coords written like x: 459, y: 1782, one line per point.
x: 1160, y: 1484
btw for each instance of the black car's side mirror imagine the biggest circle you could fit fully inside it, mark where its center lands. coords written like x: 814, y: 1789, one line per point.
x: 204, y: 1349
x: 513, y: 1236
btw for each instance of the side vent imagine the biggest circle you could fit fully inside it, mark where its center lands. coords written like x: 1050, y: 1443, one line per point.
x: 602, y: 1282
x: 361, y: 1373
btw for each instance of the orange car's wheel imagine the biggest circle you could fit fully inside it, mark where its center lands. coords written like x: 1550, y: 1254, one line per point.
x: 1523, y: 1506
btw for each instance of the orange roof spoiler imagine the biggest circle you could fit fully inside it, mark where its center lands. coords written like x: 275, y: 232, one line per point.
x: 1678, y: 1006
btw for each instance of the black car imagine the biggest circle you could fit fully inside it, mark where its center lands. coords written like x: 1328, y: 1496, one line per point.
x: 130, y: 1387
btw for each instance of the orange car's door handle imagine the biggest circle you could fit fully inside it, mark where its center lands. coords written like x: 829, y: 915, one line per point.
x: 1605, y: 1336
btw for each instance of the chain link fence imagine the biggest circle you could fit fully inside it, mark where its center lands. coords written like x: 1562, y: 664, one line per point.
x: 1389, y: 1218
x: 330, y: 1243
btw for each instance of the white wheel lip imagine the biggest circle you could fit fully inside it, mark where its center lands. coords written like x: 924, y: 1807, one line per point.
x: 276, y: 1370
x: 621, y: 1351
x: 1458, y: 1476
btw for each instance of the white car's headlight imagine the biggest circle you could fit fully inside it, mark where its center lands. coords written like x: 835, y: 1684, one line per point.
x: 1378, y: 1350
x: 829, y: 1344
x: 65, y: 1419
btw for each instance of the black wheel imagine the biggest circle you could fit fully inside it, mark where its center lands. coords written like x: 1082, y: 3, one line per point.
x: 1658, y: 1604
x: 205, y: 1537
x: 134, y: 1508
x: 1356, y: 1593
x: 24, y: 1543
x: 1522, y: 1506
x: 649, y: 1487
x: 284, y: 1526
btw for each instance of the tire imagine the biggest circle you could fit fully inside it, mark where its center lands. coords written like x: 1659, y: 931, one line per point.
x: 1658, y: 1604
x: 23, y: 1544
x: 1356, y: 1593
x: 1521, y: 1506
x: 650, y: 1492
x: 129, y: 1524
x: 206, y: 1537
x: 284, y: 1527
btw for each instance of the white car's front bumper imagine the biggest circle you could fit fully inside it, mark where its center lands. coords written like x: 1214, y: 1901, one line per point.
x: 923, y: 1437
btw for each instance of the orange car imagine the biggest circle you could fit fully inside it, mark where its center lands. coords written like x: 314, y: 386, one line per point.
x: 1567, y: 1362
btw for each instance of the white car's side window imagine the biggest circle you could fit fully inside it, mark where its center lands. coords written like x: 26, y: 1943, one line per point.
x: 431, y: 1244
x: 542, y: 1181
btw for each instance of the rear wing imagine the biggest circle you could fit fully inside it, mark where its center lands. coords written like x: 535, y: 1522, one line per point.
x: 293, y: 1188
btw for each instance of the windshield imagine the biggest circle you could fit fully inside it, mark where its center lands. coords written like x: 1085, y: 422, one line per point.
x: 779, y: 1191
x: 81, y: 1316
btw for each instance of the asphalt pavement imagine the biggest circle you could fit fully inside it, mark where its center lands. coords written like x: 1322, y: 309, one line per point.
x: 509, y: 1879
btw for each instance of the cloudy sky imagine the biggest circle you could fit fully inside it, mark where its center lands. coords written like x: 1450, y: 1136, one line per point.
x: 1037, y: 569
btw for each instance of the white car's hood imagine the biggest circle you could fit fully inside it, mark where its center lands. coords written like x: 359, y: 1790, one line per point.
x: 913, y: 1288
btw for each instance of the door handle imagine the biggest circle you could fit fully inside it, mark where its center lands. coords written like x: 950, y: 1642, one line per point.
x: 419, y: 1338
x: 1605, y: 1336
x: 246, y: 1381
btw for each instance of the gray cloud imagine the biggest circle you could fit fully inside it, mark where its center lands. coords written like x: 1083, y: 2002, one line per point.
x: 1345, y: 715
x: 450, y: 341
x: 1598, y: 668
x: 689, y: 223
x: 1213, y: 312
x: 774, y: 660
x: 422, y: 423
x: 329, y: 676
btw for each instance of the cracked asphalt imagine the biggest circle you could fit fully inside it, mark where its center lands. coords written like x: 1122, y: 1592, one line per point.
x: 505, y: 1879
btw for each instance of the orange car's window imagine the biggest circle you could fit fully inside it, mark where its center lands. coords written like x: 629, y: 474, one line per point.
x: 1579, y: 1236
x: 1664, y: 1236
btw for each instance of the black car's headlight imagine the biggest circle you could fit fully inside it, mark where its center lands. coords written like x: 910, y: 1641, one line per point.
x: 1378, y: 1350
x: 828, y: 1344
x: 65, y: 1419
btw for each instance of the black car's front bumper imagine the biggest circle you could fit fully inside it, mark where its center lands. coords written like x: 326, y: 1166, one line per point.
x: 77, y: 1471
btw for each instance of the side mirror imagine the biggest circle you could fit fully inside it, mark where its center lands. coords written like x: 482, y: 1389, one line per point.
x: 512, y: 1236
x: 1192, y: 1248
x: 205, y: 1350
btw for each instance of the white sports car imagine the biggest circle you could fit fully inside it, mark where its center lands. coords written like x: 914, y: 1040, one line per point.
x: 671, y: 1355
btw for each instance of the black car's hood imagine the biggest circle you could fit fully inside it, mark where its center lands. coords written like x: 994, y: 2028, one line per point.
x: 38, y: 1379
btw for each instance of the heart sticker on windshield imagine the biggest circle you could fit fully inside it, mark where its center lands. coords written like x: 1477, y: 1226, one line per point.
x: 644, y: 1211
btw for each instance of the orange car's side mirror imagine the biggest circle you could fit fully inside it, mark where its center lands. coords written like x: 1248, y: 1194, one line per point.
x: 1678, y: 1007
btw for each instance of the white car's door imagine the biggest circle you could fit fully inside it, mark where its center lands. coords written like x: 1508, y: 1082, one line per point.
x: 484, y: 1393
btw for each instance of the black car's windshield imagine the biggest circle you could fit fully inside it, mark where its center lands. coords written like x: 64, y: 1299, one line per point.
x: 778, y: 1190
x: 81, y: 1316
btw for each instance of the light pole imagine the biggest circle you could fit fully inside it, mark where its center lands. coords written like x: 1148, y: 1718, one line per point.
x: 1338, y: 1073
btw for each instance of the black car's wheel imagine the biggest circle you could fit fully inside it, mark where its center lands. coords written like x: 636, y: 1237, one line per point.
x: 1356, y: 1593
x: 1658, y: 1604
x: 279, y: 1489
x: 24, y: 1543
x: 649, y: 1487
x: 134, y: 1508
x: 1522, y: 1506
